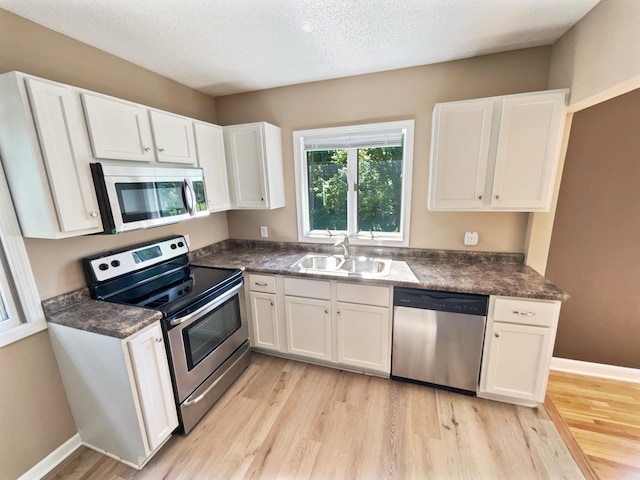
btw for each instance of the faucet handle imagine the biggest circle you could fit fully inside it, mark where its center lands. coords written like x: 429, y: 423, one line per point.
x: 331, y: 234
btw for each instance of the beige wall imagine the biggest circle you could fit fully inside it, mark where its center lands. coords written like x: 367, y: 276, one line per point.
x: 394, y: 95
x: 35, y: 418
x: 34, y: 414
x: 598, y: 58
x: 594, y: 247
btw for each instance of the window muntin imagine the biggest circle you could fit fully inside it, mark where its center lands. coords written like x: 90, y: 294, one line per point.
x: 355, y: 180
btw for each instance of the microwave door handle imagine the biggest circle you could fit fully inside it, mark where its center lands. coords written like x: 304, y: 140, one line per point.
x: 189, y: 197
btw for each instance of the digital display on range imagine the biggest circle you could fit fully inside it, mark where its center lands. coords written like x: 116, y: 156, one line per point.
x: 146, y: 254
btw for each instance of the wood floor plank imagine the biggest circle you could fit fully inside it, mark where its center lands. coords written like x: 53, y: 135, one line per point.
x: 603, y: 418
x: 289, y: 420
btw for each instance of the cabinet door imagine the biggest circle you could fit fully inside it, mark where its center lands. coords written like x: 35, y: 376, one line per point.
x: 364, y: 336
x: 118, y: 130
x: 518, y: 361
x: 245, y: 158
x: 264, y: 316
x: 62, y: 136
x: 151, y: 370
x: 528, y: 147
x: 173, y: 138
x: 211, y: 158
x: 459, y: 154
x: 308, y: 327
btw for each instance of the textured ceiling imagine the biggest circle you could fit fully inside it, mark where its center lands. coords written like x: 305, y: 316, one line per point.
x: 229, y: 46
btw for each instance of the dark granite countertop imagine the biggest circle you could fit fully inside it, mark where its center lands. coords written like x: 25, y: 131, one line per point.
x: 78, y: 310
x: 457, y: 271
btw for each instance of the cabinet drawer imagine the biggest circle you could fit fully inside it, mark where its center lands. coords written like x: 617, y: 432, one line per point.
x: 525, y: 312
x: 364, y: 294
x: 262, y: 283
x: 307, y: 288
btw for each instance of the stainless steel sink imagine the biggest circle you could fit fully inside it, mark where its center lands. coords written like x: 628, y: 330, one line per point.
x: 363, y: 265
x: 319, y: 262
x: 332, y: 264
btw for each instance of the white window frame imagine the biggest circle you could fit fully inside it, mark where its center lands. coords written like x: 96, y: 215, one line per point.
x: 17, y: 285
x: 400, y: 239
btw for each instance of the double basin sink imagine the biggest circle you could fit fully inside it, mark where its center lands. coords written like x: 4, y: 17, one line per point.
x: 332, y: 264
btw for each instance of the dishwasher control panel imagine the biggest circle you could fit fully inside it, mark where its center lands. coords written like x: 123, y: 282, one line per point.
x: 470, y: 304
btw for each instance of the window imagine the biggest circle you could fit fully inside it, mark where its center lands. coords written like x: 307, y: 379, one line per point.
x: 20, y: 309
x: 355, y: 180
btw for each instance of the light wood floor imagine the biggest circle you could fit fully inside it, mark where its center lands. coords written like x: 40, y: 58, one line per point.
x: 291, y: 420
x: 603, y: 416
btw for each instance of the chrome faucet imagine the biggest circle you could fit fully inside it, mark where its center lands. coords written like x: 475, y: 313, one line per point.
x: 343, y: 242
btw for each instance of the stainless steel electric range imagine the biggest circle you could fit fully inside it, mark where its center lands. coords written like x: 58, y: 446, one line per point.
x: 204, y: 322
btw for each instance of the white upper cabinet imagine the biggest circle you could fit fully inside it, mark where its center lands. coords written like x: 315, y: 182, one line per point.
x: 209, y: 143
x: 496, y: 154
x: 254, y: 158
x: 119, y: 130
x: 528, y: 151
x: 459, y: 174
x: 173, y: 138
x: 46, y: 153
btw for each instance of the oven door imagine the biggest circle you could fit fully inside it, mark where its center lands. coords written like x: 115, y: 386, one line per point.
x: 201, y: 341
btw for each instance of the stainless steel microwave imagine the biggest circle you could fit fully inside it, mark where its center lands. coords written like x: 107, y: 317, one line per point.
x: 131, y: 198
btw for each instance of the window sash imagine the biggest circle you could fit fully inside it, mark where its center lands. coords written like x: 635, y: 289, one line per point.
x: 334, y: 139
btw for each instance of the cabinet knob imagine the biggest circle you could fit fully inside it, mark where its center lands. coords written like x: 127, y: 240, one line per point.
x: 326, y: 311
x: 147, y: 149
x: 479, y: 197
x: 271, y: 303
x: 497, y: 197
x: 497, y: 335
x: 161, y: 150
x: 159, y: 339
x: 94, y: 214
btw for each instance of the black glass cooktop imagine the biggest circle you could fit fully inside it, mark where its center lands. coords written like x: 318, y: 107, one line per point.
x: 173, y: 291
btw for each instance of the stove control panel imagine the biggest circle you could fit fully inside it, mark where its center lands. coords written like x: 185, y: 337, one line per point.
x: 114, y: 264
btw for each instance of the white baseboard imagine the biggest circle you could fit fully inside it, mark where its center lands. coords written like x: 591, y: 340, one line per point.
x: 52, y: 460
x: 596, y: 369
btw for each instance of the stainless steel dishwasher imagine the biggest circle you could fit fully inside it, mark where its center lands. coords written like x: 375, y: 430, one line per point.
x: 438, y: 338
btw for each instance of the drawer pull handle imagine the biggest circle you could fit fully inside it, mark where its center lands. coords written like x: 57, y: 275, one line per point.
x: 261, y: 284
x: 526, y: 314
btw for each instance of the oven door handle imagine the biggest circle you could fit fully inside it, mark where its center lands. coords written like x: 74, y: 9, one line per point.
x: 208, y: 307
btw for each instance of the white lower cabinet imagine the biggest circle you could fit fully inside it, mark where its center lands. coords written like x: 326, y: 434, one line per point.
x: 119, y: 390
x: 363, y: 334
x: 333, y: 323
x: 264, y: 307
x: 265, y: 320
x: 518, y: 348
x: 308, y: 323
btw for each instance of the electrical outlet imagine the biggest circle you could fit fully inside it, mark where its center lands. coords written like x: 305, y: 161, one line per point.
x: 264, y: 232
x: 471, y: 239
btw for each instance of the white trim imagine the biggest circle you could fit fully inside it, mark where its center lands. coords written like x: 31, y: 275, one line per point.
x: 28, y: 299
x: 52, y: 460
x: 596, y: 369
